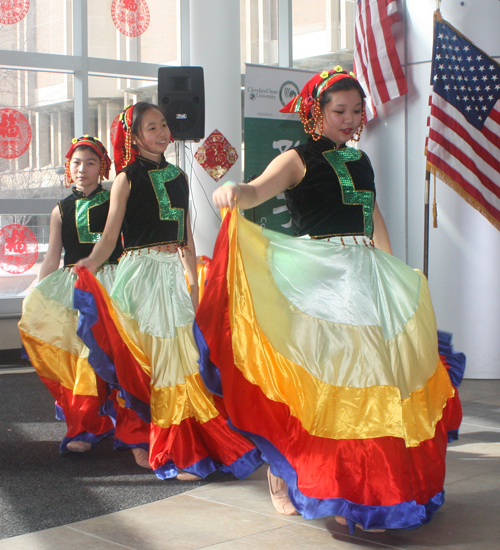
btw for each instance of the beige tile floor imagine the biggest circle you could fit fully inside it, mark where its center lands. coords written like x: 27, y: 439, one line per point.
x: 239, y: 516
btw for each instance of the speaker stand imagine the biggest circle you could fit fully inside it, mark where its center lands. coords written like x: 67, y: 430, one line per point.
x: 180, y: 154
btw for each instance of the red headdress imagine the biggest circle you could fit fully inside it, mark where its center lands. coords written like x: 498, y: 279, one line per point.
x: 99, y: 150
x: 307, y: 103
x: 124, y: 153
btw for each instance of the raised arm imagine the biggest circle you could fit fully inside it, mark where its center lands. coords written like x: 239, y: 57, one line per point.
x: 285, y: 170
x: 380, y: 234
x: 120, y: 192
x: 53, y: 256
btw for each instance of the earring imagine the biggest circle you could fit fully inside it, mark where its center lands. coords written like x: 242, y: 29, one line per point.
x: 68, y: 180
x: 357, y: 134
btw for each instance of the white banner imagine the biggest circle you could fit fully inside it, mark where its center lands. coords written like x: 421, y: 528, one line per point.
x: 268, y: 89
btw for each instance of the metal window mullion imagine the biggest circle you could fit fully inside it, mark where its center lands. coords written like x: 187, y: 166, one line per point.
x: 183, y: 32
x: 81, y: 76
x: 285, y: 33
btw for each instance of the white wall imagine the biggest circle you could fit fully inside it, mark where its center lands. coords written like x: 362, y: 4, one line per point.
x: 9, y: 334
x: 215, y: 45
x: 464, y: 251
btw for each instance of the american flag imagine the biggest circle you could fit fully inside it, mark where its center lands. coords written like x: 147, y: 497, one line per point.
x: 376, y: 61
x: 463, y: 147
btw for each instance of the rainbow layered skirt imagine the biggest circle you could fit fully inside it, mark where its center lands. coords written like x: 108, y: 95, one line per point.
x: 326, y: 355
x: 141, y: 340
x: 48, y: 328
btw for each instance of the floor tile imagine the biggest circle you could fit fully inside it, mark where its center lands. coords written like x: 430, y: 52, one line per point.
x: 301, y: 537
x: 184, y: 521
x: 59, y: 538
x: 238, y: 515
x: 470, y: 390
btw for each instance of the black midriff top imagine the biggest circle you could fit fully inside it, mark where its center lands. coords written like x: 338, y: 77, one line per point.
x: 157, y: 206
x: 83, y: 220
x: 337, y: 193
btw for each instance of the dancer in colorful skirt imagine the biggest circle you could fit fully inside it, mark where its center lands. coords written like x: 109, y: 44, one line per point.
x: 144, y: 326
x: 324, y: 347
x: 48, y: 324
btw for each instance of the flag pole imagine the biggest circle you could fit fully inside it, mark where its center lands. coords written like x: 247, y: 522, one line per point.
x: 426, y: 200
x: 426, y: 222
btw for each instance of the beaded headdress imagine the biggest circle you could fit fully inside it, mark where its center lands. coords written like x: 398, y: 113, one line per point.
x: 307, y: 103
x: 124, y: 153
x: 99, y: 150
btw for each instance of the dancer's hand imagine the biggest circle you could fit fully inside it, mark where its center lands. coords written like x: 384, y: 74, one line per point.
x: 86, y: 262
x: 227, y: 195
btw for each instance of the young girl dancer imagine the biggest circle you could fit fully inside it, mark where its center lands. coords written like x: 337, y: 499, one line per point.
x: 146, y: 326
x: 48, y: 324
x: 325, y: 347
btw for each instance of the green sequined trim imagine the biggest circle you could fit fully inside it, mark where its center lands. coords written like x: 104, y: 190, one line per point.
x: 297, y: 105
x: 338, y: 158
x: 82, y: 211
x: 167, y: 212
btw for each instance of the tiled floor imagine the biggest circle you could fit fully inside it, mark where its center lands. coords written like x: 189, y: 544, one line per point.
x: 239, y: 515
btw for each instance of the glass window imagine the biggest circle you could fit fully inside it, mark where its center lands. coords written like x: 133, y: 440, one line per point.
x: 36, y: 124
x: 108, y: 97
x: 44, y: 28
x: 309, y: 16
x: 24, y: 240
x: 148, y: 30
x: 323, y: 34
x: 259, y: 31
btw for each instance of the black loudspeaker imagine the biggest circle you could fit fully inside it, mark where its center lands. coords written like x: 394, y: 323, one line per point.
x: 181, y: 95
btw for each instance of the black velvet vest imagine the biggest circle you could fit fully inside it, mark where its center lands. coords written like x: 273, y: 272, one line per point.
x: 337, y: 193
x: 157, y: 207
x: 83, y: 221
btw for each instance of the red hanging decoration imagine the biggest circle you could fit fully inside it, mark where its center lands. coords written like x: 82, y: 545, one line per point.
x: 131, y: 17
x: 216, y: 155
x: 112, y: 130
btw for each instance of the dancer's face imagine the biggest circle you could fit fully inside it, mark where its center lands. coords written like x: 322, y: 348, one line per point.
x: 154, y: 135
x: 342, y: 115
x: 85, y: 167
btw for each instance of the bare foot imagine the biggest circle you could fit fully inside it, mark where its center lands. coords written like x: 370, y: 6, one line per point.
x: 79, y: 446
x: 279, y: 495
x: 186, y: 476
x: 141, y: 457
x: 341, y: 520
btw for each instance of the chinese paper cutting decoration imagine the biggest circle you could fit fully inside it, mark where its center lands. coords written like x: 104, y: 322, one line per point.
x: 15, y: 133
x: 216, y: 155
x: 18, y: 248
x: 13, y: 11
x: 131, y: 17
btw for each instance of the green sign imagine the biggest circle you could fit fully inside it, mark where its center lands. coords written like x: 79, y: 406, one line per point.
x: 265, y: 139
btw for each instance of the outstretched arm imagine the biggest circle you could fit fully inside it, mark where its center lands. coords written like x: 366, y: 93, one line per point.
x: 285, y: 170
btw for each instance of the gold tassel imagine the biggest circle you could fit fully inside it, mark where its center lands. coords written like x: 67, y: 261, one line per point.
x: 434, y: 207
